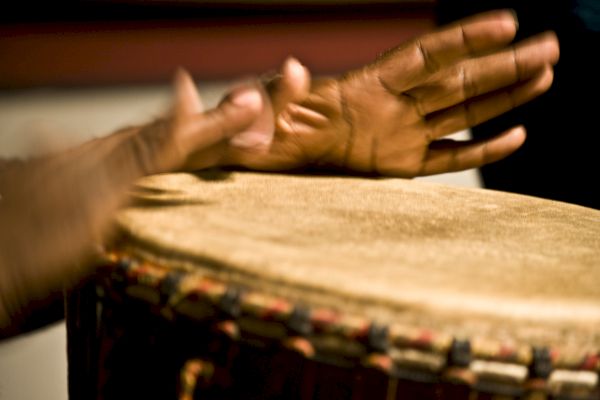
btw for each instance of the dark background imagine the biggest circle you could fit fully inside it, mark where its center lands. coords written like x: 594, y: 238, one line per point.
x: 560, y: 159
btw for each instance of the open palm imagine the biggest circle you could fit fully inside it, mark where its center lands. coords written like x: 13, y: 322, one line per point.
x: 391, y: 117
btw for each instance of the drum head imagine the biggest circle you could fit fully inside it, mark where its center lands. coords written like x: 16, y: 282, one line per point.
x: 470, y: 262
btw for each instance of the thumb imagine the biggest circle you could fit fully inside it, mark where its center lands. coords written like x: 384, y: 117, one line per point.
x: 166, y: 144
x: 237, y: 111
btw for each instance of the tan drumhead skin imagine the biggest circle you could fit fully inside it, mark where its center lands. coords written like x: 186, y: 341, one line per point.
x: 470, y: 262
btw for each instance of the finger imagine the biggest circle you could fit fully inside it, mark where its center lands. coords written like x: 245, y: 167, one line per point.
x: 300, y: 114
x: 257, y: 137
x: 205, y: 138
x: 188, y: 99
x: 488, y: 73
x: 450, y: 156
x: 235, y: 113
x: 409, y: 65
x: 483, y: 108
x: 292, y: 86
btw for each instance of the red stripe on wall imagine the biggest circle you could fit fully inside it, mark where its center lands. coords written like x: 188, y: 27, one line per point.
x: 117, y: 53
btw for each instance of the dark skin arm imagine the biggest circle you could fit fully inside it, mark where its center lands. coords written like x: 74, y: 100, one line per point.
x: 55, y: 210
x: 390, y: 118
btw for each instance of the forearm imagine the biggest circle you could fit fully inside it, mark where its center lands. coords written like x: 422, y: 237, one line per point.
x: 53, y: 212
x: 56, y: 210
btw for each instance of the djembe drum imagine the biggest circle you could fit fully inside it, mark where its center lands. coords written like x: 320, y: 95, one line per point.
x: 265, y: 286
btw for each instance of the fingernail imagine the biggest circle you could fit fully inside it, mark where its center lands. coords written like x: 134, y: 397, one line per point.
x: 247, y: 98
x: 251, y: 140
x: 293, y: 66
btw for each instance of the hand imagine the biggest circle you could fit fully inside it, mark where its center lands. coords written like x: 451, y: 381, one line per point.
x: 391, y: 117
x: 291, y: 84
x: 56, y: 208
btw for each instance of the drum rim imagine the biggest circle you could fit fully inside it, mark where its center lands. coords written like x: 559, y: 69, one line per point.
x: 492, y: 357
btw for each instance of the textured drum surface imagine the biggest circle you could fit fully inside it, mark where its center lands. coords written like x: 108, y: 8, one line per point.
x: 469, y: 262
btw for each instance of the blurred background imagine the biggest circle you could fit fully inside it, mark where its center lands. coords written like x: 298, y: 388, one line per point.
x: 74, y: 70
x: 71, y: 43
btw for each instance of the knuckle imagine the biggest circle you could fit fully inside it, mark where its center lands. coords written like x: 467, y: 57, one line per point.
x: 429, y: 64
x: 469, y: 87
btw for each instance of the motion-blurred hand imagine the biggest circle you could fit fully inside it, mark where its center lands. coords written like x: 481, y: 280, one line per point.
x: 56, y: 208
